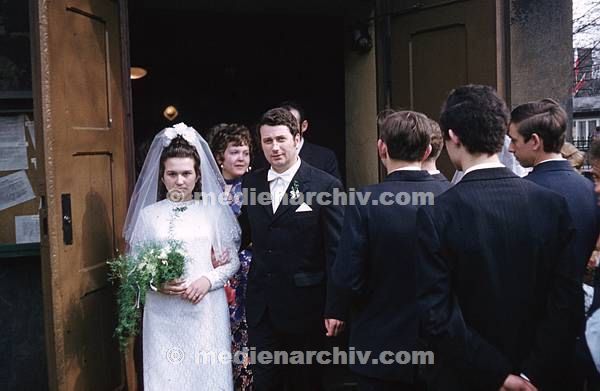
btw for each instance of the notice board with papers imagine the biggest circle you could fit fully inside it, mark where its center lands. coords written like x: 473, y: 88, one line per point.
x: 19, y: 180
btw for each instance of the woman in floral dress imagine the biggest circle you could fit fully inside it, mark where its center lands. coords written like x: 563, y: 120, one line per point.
x: 231, y: 147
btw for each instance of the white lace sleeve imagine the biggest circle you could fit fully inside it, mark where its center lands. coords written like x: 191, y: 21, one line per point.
x: 221, y: 274
x: 225, y: 240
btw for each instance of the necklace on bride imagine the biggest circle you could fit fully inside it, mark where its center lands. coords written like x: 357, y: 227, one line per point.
x: 176, y: 212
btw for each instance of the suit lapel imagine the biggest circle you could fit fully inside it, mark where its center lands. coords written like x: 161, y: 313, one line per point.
x: 302, y: 177
x: 262, y: 188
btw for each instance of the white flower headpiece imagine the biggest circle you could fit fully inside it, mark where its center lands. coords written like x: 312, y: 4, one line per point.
x: 181, y: 129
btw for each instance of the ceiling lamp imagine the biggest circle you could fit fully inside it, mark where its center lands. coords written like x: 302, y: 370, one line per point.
x: 137, y: 73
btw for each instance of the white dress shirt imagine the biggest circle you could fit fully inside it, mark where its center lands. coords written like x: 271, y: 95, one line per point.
x: 558, y: 159
x: 279, y: 182
x: 406, y: 168
x: 484, y: 166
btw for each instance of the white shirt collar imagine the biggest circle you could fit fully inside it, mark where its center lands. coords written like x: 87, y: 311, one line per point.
x: 287, y: 175
x: 551, y: 160
x: 433, y: 172
x: 406, y: 168
x: 483, y: 166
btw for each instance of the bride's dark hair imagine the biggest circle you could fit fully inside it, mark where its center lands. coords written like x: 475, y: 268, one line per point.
x: 179, y: 147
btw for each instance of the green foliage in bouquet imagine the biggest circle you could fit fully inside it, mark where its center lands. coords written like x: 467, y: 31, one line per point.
x: 153, y: 265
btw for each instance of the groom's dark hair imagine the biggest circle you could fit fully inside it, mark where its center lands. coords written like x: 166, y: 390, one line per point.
x: 276, y: 117
x: 478, y: 116
x: 406, y: 135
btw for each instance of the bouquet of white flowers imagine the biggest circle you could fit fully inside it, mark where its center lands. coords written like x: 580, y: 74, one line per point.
x: 153, y: 265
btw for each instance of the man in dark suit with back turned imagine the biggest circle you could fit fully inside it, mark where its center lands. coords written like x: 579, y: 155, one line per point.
x: 499, y: 290
x: 376, y: 258
x: 537, y: 133
x: 291, y: 303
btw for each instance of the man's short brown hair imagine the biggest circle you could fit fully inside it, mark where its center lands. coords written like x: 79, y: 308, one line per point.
x: 436, y: 139
x: 279, y: 116
x: 406, y: 135
x: 545, y: 118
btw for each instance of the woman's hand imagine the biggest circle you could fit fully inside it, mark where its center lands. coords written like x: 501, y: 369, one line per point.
x: 196, y: 290
x: 174, y: 287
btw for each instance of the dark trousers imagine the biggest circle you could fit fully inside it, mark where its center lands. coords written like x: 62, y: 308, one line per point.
x: 372, y: 384
x: 587, y: 372
x: 279, y: 377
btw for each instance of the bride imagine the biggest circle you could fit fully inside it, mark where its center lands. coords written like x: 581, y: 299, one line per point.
x: 186, y: 323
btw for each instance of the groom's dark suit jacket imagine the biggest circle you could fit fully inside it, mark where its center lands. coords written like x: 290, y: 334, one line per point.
x: 292, y: 254
x: 559, y: 176
x: 376, y: 262
x: 498, y: 286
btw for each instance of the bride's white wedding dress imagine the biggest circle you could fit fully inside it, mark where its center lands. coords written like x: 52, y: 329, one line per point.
x: 182, y: 341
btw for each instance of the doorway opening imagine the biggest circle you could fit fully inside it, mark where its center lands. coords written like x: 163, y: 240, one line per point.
x: 220, y: 65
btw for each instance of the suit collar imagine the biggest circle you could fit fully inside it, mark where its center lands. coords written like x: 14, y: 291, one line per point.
x: 408, y: 176
x: 553, y: 165
x: 306, y: 149
x: 487, y: 174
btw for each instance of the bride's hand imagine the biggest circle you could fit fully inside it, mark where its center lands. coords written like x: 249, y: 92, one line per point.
x: 196, y: 290
x: 175, y: 287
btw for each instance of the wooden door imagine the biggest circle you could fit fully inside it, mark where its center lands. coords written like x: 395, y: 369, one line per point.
x: 81, y: 113
x: 435, y: 46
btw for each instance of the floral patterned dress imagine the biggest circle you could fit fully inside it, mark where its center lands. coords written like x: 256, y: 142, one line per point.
x: 242, y: 376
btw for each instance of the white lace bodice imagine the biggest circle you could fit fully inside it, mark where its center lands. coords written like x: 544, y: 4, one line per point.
x: 191, y: 223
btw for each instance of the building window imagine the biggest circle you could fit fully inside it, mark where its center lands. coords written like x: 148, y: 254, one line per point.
x: 583, y: 132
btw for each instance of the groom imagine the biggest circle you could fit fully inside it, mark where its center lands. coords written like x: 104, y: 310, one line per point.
x: 291, y: 302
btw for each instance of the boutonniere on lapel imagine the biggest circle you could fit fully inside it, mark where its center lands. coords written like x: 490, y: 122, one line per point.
x: 294, y: 190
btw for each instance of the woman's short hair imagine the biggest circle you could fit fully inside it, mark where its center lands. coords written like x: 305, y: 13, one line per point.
x: 238, y: 135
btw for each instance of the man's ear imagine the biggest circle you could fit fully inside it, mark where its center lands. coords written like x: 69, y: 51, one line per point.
x: 453, y: 137
x: 303, y: 127
x: 382, y: 149
x: 427, y: 153
x: 536, y: 142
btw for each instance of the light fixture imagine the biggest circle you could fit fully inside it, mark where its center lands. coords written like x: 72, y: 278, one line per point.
x: 170, y: 113
x: 137, y: 73
x: 361, y: 38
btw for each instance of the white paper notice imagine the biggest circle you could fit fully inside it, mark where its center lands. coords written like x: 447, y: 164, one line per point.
x: 31, y: 130
x: 15, y: 189
x: 27, y: 229
x: 12, y: 131
x: 13, y: 158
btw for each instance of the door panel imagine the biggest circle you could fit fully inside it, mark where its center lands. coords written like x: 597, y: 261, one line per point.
x: 81, y: 108
x: 436, y: 46
x: 88, y: 37
x: 449, y: 45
